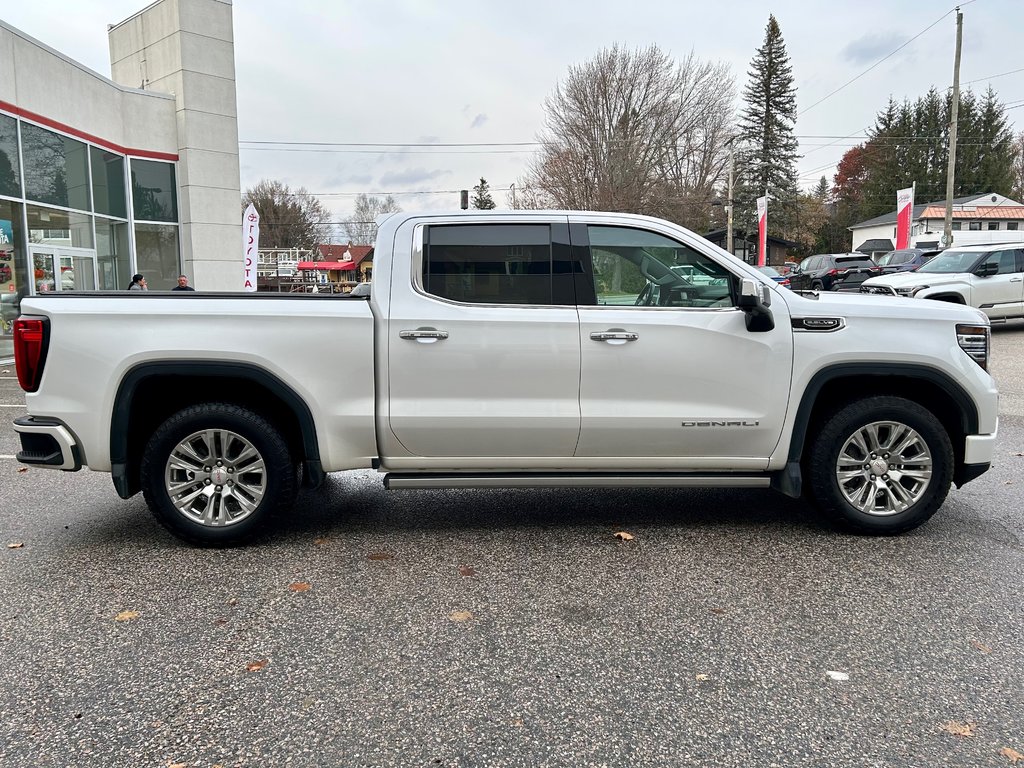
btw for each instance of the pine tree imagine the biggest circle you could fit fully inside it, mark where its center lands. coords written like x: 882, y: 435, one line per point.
x: 769, y: 148
x: 482, y: 196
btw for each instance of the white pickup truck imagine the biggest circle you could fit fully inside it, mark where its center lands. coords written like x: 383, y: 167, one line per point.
x: 988, y: 277
x: 512, y: 349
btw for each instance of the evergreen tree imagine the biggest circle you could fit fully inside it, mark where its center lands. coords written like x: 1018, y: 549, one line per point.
x: 482, y: 196
x: 768, y: 153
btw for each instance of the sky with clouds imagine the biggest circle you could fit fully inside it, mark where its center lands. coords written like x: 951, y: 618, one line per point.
x: 419, y: 75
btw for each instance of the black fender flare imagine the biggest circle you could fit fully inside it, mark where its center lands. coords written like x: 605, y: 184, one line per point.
x: 788, y: 480
x: 127, y: 486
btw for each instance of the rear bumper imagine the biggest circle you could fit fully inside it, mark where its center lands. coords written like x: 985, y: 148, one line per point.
x: 47, y: 442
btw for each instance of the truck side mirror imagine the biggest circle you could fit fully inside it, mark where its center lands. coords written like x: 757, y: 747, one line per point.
x: 755, y: 300
x: 987, y: 269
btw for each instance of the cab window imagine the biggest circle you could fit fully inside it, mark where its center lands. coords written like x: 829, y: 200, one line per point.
x: 634, y: 267
x: 488, y: 264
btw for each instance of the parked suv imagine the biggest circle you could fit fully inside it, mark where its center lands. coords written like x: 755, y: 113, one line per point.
x: 987, y: 277
x: 832, y: 272
x: 905, y: 259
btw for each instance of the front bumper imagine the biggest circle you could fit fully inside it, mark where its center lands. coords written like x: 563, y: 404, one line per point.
x: 47, y: 442
x: 978, y: 452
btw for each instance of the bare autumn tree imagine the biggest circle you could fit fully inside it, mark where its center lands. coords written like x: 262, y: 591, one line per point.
x: 361, y: 226
x: 1017, y: 191
x: 288, y: 219
x: 633, y: 131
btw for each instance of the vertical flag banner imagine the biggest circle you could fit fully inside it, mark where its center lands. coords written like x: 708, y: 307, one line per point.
x: 762, y: 231
x: 904, y: 213
x: 250, y: 247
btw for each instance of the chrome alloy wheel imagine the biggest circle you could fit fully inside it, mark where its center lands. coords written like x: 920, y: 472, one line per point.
x: 884, y: 468
x: 215, y: 477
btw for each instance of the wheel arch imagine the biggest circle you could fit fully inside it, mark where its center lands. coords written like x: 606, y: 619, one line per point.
x: 837, y: 385
x: 150, y: 393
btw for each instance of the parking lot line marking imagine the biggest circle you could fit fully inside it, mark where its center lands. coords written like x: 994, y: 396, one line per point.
x: 4, y: 405
x: 7, y: 456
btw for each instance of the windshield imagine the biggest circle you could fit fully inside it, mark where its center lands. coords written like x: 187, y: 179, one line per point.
x: 770, y: 271
x: 952, y: 262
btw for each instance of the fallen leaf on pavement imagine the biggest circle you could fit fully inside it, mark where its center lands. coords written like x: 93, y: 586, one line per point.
x: 623, y: 536
x: 981, y: 646
x: 126, y: 616
x: 719, y: 611
x: 467, y: 570
x: 177, y: 765
x: 299, y: 586
x: 460, y: 616
x: 256, y: 666
x: 965, y: 730
x: 702, y: 677
x: 838, y: 676
x: 1011, y: 754
x: 380, y: 556
x: 23, y: 469
x: 321, y: 541
x: 16, y: 545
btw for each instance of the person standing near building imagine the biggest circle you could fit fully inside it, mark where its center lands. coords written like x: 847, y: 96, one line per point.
x: 138, y: 283
x: 183, y: 284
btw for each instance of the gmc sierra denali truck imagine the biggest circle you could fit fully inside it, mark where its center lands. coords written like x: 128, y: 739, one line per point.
x: 512, y: 349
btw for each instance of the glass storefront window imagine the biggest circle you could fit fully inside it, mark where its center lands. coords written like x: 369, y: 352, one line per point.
x: 108, y: 191
x: 13, y: 277
x: 154, y: 193
x: 10, y: 183
x: 48, y: 226
x: 156, y: 252
x: 56, y: 168
x: 113, y: 254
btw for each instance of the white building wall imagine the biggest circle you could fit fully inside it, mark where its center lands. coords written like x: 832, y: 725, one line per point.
x: 42, y: 83
x: 186, y: 48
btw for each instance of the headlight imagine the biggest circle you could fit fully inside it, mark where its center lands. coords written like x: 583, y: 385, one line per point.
x: 975, y: 340
x: 911, y: 291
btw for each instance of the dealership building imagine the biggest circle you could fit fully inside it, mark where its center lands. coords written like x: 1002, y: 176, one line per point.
x: 101, y: 177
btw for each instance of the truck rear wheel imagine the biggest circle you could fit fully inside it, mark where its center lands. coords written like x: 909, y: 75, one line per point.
x: 881, y: 465
x: 212, y: 473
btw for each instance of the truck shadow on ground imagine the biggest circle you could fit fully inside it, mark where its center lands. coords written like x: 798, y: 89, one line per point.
x: 344, y: 506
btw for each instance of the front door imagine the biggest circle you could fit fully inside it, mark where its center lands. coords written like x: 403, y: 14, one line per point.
x: 670, y: 376
x: 61, y: 269
x: 1001, y: 295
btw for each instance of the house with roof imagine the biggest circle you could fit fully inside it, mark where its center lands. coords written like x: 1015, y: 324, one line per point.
x: 977, y: 219
x: 744, y: 245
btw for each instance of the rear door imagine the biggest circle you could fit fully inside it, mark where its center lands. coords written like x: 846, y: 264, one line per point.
x: 484, y: 348
x: 676, y: 381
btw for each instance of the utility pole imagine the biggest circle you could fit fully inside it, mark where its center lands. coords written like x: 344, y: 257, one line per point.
x: 732, y: 168
x: 948, y: 229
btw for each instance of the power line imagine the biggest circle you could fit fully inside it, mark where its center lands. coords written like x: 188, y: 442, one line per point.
x: 887, y: 56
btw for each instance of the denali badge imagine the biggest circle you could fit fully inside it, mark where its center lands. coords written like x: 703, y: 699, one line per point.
x: 720, y: 423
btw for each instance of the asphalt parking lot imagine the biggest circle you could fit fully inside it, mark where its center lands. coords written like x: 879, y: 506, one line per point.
x: 512, y: 628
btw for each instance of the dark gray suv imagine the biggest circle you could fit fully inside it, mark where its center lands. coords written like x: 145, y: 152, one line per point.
x: 832, y: 272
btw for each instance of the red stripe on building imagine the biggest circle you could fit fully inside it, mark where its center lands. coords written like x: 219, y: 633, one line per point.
x: 43, y: 120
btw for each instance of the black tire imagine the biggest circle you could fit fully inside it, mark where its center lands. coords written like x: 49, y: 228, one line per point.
x: 817, y: 285
x: 226, y: 501
x: 887, y: 499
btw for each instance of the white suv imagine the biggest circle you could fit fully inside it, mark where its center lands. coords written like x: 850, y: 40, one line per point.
x: 987, y: 277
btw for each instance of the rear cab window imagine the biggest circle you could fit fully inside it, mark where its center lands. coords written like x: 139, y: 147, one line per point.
x: 498, y: 264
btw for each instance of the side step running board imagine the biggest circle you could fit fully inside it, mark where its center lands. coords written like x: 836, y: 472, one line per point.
x: 397, y: 481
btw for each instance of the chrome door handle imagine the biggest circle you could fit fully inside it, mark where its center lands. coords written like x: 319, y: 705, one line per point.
x: 424, y: 335
x: 1016, y: 279
x: 615, y: 335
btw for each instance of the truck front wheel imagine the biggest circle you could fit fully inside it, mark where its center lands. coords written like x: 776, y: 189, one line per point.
x: 881, y: 465
x: 212, y: 473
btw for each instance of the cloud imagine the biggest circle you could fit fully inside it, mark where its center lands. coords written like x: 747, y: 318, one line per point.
x: 359, y: 179
x: 872, y: 47
x: 479, y: 120
x: 411, y: 176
